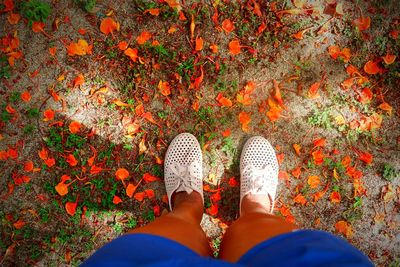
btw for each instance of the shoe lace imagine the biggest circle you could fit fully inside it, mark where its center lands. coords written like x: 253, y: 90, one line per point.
x: 259, y: 178
x: 186, y: 175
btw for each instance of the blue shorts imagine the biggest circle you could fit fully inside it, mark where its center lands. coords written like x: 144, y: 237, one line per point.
x: 298, y: 248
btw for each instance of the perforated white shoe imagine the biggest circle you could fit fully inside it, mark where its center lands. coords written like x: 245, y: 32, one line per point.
x: 183, y: 166
x: 258, y: 170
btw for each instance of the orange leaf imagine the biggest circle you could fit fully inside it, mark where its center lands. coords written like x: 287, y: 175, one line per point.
x: 199, y: 44
x: 48, y: 115
x: 227, y: 25
x: 143, y: 37
x: 199, y: 79
x: 365, y: 96
x: 213, y: 209
x: 71, y: 160
x: 297, y: 148
x: 386, y: 107
x: 130, y: 190
x: 122, y: 45
x: 344, y: 228
x: 389, y: 59
x: 139, y: 196
x: 164, y: 88
x: 335, y: 197
x: 365, y: 157
x: 10, y: 109
x: 74, y: 127
x: 274, y: 113
x: 26, y: 96
x: 277, y: 94
x: 313, y: 181
x: 351, y: 70
x: 13, y: 18
x: 117, y: 200
x: 38, y: 26
x: 320, y: 142
x: 43, y: 153
x: 223, y: 100
x: 50, y: 162
x: 300, y: 199
x: 122, y: 174
x: 234, y: 47
x: 362, y: 23
x: 244, y: 119
x: 296, y: 172
x: 313, y: 91
x: 132, y: 53
x: 28, y: 166
x: 334, y: 51
x: 149, y: 117
x: 70, y: 207
x: 82, y: 31
x: 149, y: 193
x: 61, y: 188
x: 95, y: 169
x: 108, y: 25
x: 372, y: 67
x: 79, y: 80
x: 19, y: 224
x: 80, y: 48
x: 318, y: 157
x: 226, y: 133
x: 12, y: 153
x: 153, y: 11
x: 214, y: 48
x: 148, y: 178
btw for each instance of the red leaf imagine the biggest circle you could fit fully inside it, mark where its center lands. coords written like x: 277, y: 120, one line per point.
x: 362, y: 23
x: 70, y: 207
x: 372, y: 67
x: 117, y: 200
x: 148, y: 178
x: 139, y: 196
x: 365, y: 157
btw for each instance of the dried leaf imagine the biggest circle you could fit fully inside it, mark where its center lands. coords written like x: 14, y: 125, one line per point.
x: 108, y: 25
x: 228, y: 26
x: 313, y: 181
x: 164, y: 88
x: 121, y: 174
x: 199, y: 44
x: 234, y: 47
x: 132, y: 53
x: 117, y: 200
x: 389, y: 59
x: 362, y: 23
x: 148, y: 178
x: 372, y: 67
x: 143, y: 37
x: 74, y: 127
x: 70, y: 207
x: 344, y: 228
x: 130, y: 189
x: 223, y: 101
x: 244, y: 119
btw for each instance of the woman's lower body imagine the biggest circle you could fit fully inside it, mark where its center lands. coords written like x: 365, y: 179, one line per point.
x: 256, y: 238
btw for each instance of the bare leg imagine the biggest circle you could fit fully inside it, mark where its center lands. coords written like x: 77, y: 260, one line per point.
x: 182, y: 224
x: 254, y: 226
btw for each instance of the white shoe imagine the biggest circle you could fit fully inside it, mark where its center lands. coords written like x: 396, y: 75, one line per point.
x: 258, y: 170
x: 183, y: 166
